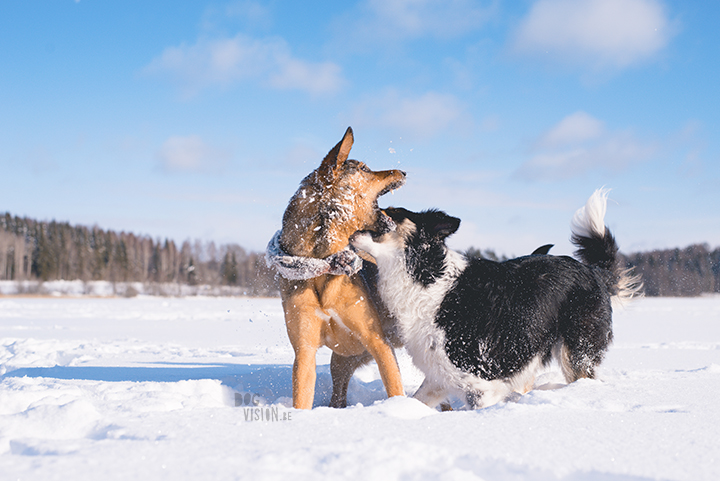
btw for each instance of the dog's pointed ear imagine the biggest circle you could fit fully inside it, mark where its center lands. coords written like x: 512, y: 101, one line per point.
x: 445, y: 225
x: 338, y: 155
x: 384, y: 223
x: 542, y: 250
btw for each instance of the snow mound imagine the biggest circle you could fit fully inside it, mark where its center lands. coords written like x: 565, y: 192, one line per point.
x: 402, y: 408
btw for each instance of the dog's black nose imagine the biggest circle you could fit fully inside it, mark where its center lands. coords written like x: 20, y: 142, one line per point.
x: 403, y: 173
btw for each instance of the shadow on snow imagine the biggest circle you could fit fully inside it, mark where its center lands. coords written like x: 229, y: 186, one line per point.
x: 270, y: 381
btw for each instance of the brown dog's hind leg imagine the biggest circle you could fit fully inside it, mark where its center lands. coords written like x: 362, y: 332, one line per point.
x: 342, y: 369
x: 387, y: 365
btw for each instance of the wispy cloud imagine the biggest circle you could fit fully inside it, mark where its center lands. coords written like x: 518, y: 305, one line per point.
x: 250, y: 11
x: 598, y: 34
x: 223, y: 62
x: 376, y: 21
x: 580, y: 143
x: 418, y: 116
x: 191, y: 154
x: 573, y: 129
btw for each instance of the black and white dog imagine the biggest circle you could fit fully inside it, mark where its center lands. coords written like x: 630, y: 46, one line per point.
x: 482, y: 329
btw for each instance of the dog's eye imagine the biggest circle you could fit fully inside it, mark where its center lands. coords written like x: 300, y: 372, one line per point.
x: 365, y: 168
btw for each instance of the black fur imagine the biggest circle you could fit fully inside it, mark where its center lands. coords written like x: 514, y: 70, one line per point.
x: 521, y: 308
x: 596, y: 250
x: 498, y: 316
x: 542, y: 250
x: 424, y: 251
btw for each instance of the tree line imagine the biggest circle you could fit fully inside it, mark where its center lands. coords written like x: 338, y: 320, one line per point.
x: 44, y: 251
x: 691, y: 271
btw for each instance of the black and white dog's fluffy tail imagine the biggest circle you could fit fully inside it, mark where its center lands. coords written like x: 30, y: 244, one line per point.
x: 596, y: 246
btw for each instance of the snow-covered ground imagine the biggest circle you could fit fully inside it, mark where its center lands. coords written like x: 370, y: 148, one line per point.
x: 122, y: 289
x: 164, y: 388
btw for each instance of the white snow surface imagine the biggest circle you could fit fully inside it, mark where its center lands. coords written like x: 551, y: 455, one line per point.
x: 146, y: 388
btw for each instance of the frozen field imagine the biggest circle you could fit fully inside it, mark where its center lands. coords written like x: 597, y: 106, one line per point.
x: 146, y: 388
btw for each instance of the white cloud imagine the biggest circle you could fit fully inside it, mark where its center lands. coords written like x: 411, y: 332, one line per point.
x: 250, y: 11
x: 241, y: 15
x: 225, y: 61
x: 575, y: 128
x: 594, y: 33
x: 425, y: 115
x: 580, y: 143
x: 190, y: 154
x: 420, y: 116
x: 315, y: 78
x: 382, y: 20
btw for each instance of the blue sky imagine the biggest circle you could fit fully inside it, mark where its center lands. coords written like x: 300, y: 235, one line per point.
x: 197, y: 120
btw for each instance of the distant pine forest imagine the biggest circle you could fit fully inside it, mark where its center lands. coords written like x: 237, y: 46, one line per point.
x: 49, y: 251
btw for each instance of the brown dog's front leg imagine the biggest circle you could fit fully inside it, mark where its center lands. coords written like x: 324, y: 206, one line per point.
x: 303, y: 378
x: 342, y: 369
x: 304, y: 329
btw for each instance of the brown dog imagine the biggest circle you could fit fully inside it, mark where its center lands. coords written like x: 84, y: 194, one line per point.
x: 326, y: 298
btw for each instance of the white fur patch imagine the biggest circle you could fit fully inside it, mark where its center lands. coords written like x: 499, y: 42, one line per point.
x: 336, y: 317
x: 415, y: 307
x: 589, y: 220
x: 322, y: 315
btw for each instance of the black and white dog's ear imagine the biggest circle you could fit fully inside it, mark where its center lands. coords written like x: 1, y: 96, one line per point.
x: 542, y: 250
x: 445, y: 225
x: 385, y: 223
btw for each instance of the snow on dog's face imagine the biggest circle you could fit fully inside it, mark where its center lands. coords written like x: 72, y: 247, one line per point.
x: 418, y: 237
x: 333, y: 201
